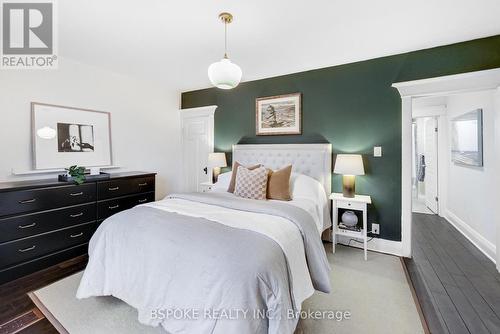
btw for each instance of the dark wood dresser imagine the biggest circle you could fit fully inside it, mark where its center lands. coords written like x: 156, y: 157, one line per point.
x: 45, y: 222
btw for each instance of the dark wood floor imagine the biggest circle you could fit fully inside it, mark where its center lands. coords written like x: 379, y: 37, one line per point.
x: 457, y: 286
x: 14, y: 300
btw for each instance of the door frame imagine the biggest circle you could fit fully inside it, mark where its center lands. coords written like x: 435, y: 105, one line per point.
x: 445, y: 85
x: 439, y: 113
x: 188, y: 114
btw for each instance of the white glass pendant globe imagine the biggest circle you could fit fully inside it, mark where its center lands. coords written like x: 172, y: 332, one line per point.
x: 46, y: 133
x: 224, y: 74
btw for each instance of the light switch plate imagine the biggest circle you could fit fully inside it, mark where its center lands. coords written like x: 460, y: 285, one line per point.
x: 377, y: 151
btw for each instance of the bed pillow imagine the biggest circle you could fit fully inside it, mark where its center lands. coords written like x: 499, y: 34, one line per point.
x: 251, y: 183
x: 222, y: 182
x: 278, y: 184
x: 305, y: 187
x: 232, y: 183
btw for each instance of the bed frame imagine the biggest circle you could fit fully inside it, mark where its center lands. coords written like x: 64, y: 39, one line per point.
x: 314, y: 160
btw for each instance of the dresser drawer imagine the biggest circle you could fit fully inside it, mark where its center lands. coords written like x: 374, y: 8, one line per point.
x: 23, y: 201
x: 41, y: 222
x: 22, y: 250
x: 112, y: 206
x: 123, y: 187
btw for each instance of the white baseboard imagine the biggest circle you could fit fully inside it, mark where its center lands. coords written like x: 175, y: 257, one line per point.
x: 484, y: 245
x: 376, y: 244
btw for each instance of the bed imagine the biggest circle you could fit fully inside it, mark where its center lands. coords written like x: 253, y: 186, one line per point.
x: 217, y: 263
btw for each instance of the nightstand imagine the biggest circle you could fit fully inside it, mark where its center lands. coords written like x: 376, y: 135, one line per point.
x: 358, y: 205
x: 206, y: 186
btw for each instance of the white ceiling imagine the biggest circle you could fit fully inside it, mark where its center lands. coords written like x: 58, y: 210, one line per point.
x: 173, y: 42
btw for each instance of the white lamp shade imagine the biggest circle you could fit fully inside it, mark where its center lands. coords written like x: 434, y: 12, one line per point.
x: 46, y: 133
x: 349, y: 164
x: 224, y: 74
x: 217, y: 160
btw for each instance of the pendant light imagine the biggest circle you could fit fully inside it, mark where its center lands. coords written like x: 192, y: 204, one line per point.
x: 224, y: 74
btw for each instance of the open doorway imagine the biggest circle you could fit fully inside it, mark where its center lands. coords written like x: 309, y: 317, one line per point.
x: 425, y: 165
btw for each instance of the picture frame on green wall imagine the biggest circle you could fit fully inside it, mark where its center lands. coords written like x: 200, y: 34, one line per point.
x: 278, y: 115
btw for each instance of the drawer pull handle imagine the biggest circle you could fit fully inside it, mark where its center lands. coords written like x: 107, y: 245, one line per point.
x: 76, y: 215
x: 113, y: 189
x: 27, y: 201
x: 143, y: 184
x: 114, y: 207
x: 27, y: 226
x: 142, y: 200
x: 22, y: 250
x: 76, y: 194
x: 76, y: 235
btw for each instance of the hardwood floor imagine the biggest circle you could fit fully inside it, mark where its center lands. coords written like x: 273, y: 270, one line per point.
x: 14, y: 300
x: 458, y: 287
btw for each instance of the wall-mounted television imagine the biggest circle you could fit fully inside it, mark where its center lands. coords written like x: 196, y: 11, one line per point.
x: 467, y: 139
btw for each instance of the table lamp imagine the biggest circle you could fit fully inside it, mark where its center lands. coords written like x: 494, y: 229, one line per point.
x: 216, y: 160
x: 349, y: 165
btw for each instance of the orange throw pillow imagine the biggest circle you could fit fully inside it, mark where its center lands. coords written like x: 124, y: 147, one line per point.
x: 278, y: 184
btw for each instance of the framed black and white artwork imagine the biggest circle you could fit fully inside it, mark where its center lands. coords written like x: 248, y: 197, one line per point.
x: 66, y: 136
x: 278, y: 115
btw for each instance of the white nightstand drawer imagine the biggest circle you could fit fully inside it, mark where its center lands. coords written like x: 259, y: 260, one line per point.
x: 350, y: 205
x: 205, y: 187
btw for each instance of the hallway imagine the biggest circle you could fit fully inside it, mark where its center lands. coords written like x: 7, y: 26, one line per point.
x: 457, y: 286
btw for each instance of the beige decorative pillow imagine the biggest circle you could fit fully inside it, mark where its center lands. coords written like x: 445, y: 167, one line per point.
x: 278, y: 184
x: 251, y: 183
x: 233, y: 175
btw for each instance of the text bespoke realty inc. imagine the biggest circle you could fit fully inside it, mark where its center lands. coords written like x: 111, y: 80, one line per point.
x: 238, y: 314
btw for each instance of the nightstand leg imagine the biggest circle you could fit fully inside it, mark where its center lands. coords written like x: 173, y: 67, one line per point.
x: 365, y: 244
x: 334, y: 241
x: 365, y: 231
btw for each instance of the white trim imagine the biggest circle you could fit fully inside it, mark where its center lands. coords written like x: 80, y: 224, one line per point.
x: 484, y: 245
x: 376, y: 244
x: 450, y: 84
x: 446, y: 85
x: 406, y: 176
x: 198, y: 112
x: 431, y: 111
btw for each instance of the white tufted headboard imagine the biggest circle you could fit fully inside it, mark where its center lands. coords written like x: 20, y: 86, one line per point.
x: 314, y: 160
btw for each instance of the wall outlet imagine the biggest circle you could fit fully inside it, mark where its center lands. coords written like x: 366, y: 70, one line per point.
x: 375, y: 228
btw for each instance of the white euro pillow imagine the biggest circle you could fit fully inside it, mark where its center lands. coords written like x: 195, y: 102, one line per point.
x: 308, y: 188
x: 222, y: 182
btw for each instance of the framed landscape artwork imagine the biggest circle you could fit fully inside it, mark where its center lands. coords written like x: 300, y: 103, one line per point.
x: 66, y: 136
x: 467, y: 139
x: 278, y: 115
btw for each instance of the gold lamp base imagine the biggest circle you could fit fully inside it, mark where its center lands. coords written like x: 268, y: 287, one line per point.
x: 215, y: 174
x: 348, y: 185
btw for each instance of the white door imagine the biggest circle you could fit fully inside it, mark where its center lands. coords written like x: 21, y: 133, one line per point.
x: 431, y: 165
x: 197, y: 143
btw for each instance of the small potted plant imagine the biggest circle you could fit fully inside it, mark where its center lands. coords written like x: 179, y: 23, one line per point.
x: 77, y: 174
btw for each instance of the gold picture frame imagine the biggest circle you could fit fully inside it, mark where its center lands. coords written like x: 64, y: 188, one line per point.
x: 278, y: 115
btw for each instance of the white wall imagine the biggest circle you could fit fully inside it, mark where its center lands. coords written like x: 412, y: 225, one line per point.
x: 471, y: 191
x: 145, y: 124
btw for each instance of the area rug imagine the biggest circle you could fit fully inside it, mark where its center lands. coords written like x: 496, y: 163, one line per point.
x: 368, y: 297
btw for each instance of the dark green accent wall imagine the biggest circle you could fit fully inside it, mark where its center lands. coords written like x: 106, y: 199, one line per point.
x: 352, y: 106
